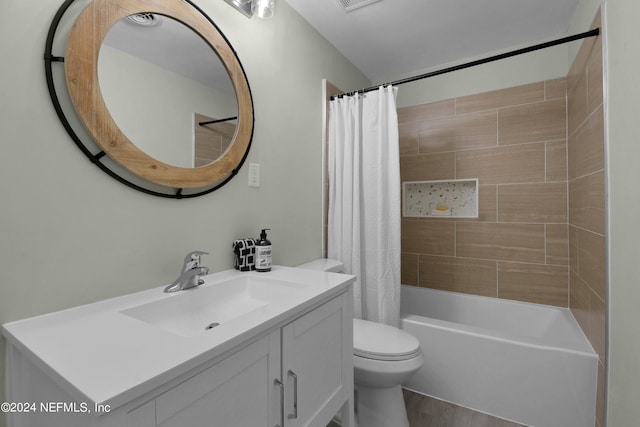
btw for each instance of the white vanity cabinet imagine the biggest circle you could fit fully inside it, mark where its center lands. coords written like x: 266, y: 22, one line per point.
x: 297, y: 373
x: 233, y: 392
x: 317, y: 365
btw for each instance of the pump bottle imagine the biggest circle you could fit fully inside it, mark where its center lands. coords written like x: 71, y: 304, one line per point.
x: 263, y: 252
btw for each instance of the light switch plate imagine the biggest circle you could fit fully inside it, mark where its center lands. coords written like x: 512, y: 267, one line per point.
x: 254, y: 175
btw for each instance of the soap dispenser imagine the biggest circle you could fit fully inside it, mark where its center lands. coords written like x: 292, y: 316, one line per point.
x: 263, y: 252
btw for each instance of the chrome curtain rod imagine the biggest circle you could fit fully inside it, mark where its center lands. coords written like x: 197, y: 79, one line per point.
x: 592, y: 33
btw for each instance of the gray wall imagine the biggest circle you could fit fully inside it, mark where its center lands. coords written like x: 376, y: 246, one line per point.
x: 69, y: 234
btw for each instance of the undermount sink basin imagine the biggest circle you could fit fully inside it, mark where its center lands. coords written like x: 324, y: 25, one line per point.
x: 201, y: 309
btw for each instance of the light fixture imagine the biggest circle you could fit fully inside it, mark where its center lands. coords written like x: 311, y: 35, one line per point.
x: 263, y: 8
x: 260, y: 8
x: 243, y: 6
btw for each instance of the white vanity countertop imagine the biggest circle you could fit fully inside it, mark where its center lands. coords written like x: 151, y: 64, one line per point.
x: 102, y: 356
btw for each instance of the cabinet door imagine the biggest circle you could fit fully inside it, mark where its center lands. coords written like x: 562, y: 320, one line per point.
x: 237, y: 392
x: 317, y: 364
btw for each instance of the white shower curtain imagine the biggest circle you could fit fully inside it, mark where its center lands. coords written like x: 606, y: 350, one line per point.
x: 364, y: 199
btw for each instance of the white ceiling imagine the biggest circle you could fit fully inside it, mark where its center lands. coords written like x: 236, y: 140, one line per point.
x: 173, y: 46
x: 392, y: 38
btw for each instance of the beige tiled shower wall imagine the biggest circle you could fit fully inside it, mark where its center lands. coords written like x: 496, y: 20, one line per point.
x: 540, y: 235
x: 514, y: 141
x: 586, y: 176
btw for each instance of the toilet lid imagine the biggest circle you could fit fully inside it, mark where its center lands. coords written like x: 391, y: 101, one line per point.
x: 383, y: 342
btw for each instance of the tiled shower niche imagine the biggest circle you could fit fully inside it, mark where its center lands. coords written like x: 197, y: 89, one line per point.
x: 456, y: 198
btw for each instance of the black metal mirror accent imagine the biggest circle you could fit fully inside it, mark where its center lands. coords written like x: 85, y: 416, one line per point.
x: 126, y: 148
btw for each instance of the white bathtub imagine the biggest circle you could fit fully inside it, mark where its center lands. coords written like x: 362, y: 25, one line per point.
x: 527, y: 363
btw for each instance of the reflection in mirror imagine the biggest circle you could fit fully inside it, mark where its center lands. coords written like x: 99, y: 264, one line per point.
x: 211, y: 140
x: 160, y: 80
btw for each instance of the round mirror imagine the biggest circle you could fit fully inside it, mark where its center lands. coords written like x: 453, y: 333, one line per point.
x: 134, y: 73
x: 167, y: 90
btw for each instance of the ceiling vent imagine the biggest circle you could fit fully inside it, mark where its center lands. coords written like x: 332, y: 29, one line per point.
x: 351, y: 5
x: 144, y: 19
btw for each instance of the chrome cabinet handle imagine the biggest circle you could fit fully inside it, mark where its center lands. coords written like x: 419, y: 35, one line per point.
x: 295, y: 395
x: 279, y: 384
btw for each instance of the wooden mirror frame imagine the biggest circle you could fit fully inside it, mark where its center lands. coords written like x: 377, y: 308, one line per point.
x: 81, y: 70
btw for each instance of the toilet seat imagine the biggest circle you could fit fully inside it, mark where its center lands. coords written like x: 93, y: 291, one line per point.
x: 377, y: 341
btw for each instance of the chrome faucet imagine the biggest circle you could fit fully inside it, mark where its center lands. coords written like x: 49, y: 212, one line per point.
x: 191, y: 272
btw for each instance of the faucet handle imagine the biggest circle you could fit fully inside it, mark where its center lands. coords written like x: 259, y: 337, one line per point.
x: 192, y: 260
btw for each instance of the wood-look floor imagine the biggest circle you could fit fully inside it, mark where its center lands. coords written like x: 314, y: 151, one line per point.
x: 424, y: 411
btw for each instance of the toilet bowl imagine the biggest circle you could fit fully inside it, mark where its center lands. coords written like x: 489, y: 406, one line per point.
x: 383, y: 358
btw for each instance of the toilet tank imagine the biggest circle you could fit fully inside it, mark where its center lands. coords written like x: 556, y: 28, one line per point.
x: 324, y: 264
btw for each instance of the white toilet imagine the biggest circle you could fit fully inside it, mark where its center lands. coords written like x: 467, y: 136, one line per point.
x: 383, y: 358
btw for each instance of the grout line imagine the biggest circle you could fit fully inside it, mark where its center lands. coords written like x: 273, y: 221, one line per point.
x: 587, y: 175
x: 586, y: 230
x: 489, y: 147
